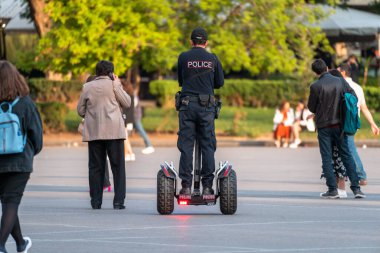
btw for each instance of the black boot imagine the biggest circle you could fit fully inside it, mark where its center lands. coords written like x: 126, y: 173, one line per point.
x: 185, y: 191
x: 207, y: 191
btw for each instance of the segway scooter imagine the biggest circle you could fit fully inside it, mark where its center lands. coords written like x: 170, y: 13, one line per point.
x: 167, y: 187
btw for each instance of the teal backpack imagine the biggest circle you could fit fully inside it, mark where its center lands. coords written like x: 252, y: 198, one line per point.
x: 12, y: 140
x: 350, y: 119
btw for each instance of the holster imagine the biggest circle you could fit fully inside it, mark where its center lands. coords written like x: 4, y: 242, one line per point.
x: 218, y: 107
x: 204, y: 100
x: 178, y: 100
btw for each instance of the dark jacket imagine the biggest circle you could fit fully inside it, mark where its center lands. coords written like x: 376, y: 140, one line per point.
x: 325, y: 99
x: 199, y: 72
x: 31, y: 124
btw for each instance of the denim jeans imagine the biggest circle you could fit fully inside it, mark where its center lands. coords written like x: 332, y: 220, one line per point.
x: 326, y: 136
x: 142, y: 133
x: 358, y: 162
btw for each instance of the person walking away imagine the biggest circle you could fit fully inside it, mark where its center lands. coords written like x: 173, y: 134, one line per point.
x: 199, y: 73
x: 283, y: 121
x: 129, y: 116
x: 99, y: 104
x: 139, y: 126
x: 324, y: 101
x: 345, y: 70
x: 16, y: 166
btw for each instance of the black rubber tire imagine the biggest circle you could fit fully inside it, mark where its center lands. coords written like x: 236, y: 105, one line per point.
x: 228, y: 194
x: 165, y: 193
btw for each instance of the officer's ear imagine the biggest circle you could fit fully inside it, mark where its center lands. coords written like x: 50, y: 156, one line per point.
x: 206, y: 44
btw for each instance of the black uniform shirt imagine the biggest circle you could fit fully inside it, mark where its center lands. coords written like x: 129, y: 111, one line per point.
x: 199, y: 72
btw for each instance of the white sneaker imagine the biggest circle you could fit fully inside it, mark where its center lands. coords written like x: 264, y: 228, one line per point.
x: 27, y: 246
x: 133, y: 157
x: 342, y: 194
x: 148, y: 150
x: 285, y: 145
x: 295, y: 143
x: 278, y: 144
x: 127, y: 158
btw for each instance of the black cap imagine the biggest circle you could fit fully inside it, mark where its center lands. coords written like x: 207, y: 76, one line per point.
x: 199, y: 33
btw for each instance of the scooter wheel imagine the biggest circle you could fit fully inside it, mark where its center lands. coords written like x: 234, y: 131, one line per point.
x: 165, y: 193
x: 228, y: 193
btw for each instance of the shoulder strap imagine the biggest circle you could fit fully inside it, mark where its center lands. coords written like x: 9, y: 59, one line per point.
x: 15, y: 101
x: 10, y: 105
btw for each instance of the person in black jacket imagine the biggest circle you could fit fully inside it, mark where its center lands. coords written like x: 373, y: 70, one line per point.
x: 324, y: 101
x: 15, y: 169
x: 199, y: 73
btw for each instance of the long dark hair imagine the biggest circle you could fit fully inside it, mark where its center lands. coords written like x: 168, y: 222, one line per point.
x: 12, y: 83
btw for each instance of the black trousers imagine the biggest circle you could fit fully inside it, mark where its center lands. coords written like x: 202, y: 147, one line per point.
x: 196, y: 121
x: 97, y: 151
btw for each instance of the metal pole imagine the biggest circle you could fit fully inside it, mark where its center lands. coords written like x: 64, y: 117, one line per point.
x: 3, y: 24
x: 2, y: 42
x: 4, y: 53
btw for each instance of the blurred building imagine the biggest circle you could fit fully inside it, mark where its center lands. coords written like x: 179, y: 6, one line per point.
x: 353, y: 31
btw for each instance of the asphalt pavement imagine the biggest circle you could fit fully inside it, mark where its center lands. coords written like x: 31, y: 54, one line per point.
x: 279, y: 209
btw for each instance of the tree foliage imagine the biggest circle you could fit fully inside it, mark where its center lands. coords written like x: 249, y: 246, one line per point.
x: 86, y: 31
x: 260, y: 36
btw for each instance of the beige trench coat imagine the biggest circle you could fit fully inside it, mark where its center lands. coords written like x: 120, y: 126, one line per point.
x: 100, y: 105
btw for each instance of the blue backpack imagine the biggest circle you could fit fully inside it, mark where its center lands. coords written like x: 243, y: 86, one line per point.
x: 349, y: 113
x: 12, y: 140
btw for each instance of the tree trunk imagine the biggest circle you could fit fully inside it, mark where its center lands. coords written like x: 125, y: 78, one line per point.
x: 40, y: 18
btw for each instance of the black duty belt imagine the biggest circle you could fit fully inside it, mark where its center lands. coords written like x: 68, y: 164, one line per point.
x: 193, y: 99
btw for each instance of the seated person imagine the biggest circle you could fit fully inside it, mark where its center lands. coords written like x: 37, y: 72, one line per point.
x: 303, y: 121
x: 283, y: 121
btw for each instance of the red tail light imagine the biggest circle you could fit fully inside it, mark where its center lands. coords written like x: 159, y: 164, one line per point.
x: 183, y: 202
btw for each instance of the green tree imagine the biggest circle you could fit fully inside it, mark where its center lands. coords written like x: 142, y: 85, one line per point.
x: 86, y: 31
x: 261, y: 36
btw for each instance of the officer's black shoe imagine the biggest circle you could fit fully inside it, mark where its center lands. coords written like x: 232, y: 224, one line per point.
x: 185, y: 191
x: 118, y: 206
x: 207, y: 191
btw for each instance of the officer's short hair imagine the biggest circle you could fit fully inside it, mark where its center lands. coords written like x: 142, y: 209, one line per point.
x: 346, y: 68
x: 103, y: 68
x: 319, y: 66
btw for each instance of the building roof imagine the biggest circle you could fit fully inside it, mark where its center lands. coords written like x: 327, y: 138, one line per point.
x: 13, y: 9
x: 350, y: 24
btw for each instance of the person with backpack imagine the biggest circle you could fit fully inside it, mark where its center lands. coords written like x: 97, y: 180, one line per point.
x: 20, y: 141
x: 345, y: 70
x: 325, y: 102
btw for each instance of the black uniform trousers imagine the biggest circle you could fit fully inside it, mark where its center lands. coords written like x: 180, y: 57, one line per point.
x: 97, y: 151
x: 196, y: 121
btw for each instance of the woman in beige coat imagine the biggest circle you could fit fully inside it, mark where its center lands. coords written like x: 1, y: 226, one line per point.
x: 100, y: 104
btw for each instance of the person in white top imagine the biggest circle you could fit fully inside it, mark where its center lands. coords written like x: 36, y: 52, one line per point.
x: 283, y: 121
x: 345, y: 70
x: 302, y: 122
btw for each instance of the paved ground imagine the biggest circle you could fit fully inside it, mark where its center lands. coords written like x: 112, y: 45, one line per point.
x: 279, y: 209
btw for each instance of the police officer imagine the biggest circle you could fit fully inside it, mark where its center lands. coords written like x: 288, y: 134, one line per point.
x: 199, y: 73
